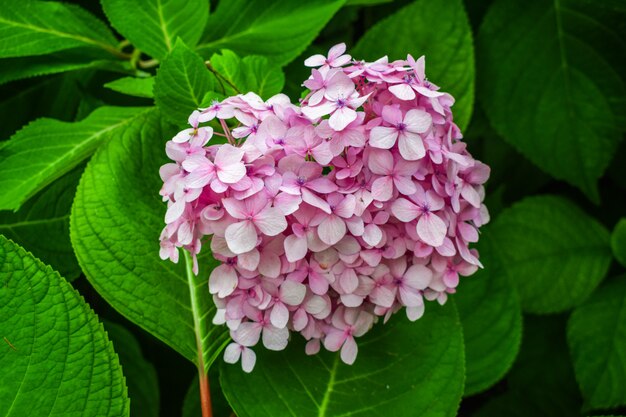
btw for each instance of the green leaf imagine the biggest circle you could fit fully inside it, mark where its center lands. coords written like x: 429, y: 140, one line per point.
x: 491, y: 317
x: 252, y: 73
x: 596, y: 334
x: 280, y: 29
x: 555, y: 92
x: 618, y: 242
x: 46, y: 149
x: 438, y: 29
x: 141, y: 377
x: 402, y: 369
x: 116, y: 220
x: 19, y: 68
x: 366, y: 2
x: 138, y: 87
x: 181, y: 82
x: 154, y: 25
x: 29, y: 27
x: 541, y: 383
x: 55, y: 357
x: 47, y: 214
x: 554, y: 253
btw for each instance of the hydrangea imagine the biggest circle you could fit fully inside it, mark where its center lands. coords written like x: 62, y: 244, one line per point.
x: 329, y: 215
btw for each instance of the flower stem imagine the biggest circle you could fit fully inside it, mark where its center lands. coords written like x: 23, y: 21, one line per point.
x: 227, y: 132
x: 205, y: 394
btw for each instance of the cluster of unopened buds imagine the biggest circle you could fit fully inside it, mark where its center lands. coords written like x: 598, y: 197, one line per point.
x: 330, y: 214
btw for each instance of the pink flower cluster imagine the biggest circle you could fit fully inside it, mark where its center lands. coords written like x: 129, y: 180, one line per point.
x: 328, y: 215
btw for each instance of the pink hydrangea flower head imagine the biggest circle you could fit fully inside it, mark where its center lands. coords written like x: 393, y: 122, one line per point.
x: 327, y: 216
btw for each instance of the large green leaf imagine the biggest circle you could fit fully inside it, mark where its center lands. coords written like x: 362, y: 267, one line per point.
x: 541, y: 383
x: 491, y: 317
x: 554, y: 253
x: 55, y: 357
x: 181, y: 82
x: 141, y: 377
x: 280, y: 29
x: 550, y: 82
x: 402, y: 369
x: 63, y: 61
x: 618, y: 241
x: 597, y: 340
x: 46, y: 149
x: 438, y: 29
x: 116, y: 220
x: 252, y: 73
x: 132, y: 86
x: 30, y: 27
x: 47, y: 215
x: 154, y: 25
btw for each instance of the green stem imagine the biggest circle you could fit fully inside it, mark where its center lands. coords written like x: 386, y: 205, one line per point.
x: 205, y: 392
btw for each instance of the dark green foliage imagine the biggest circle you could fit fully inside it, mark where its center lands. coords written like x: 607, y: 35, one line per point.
x: 92, y: 91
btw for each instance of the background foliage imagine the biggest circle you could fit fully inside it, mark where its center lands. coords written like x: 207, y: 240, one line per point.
x: 89, y: 93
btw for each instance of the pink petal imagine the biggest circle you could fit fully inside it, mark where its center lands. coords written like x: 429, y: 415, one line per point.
x: 315, y: 201
x: 372, y: 235
x: 431, y: 229
x: 231, y: 173
x: 348, y: 280
x: 235, y: 208
x: 383, y: 137
x: 175, y: 211
x: 315, y: 61
x: 292, y: 293
x: 249, y: 260
x: 269, y: 265
x: 336, y: 51
x: 349, y: 351
x: 199, y: 178
x: 322, y: 185
x: 318, y: 111
x: 380, y: 162
x: 232, y: 353
x: 404, y: 210
x: 275, y: 339
x: 411, y: 146
x: 270, y: 221
x: 414, y: 313
x: 248, y: 333
x: 295, y: 247
x: 332, y: 229
x: 417, y: 121
x: 403, y: 91
x: 418, y: 277
x: 287, y: 203
x: 223, y: 281
x: 341, y: 118
x: 334, y: 339
x: 248, y: 359
x: 404, y: 185
x: 241, y: 237
x: 382, y: 296
x: 279, y: 315
x: 318, y: 283
x: 382, y: 189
